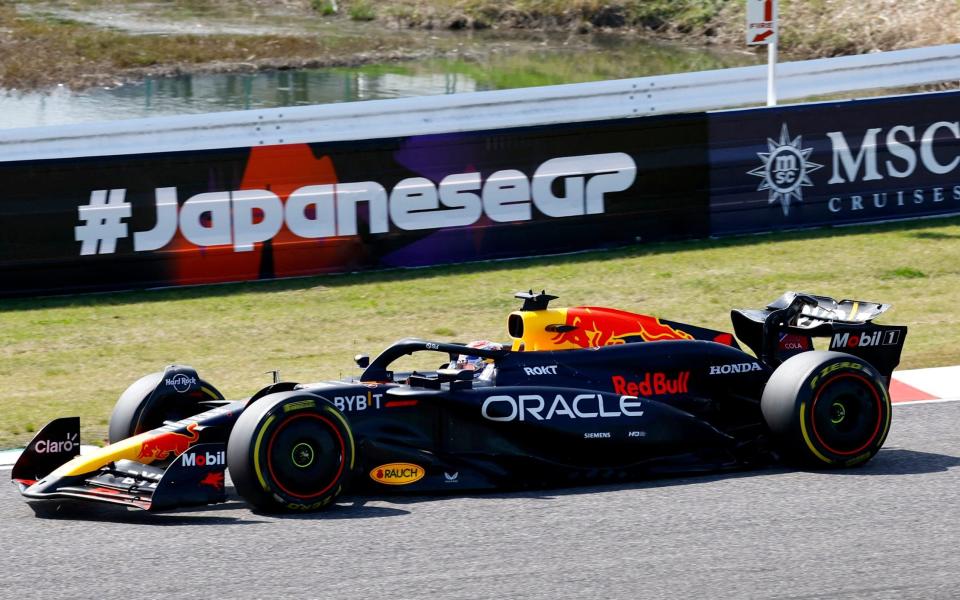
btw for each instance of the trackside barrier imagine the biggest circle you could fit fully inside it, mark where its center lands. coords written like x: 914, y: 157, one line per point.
x: 836, y: 163
x: 480, y: 111
x: 131, y: 213
x: 208, y: 216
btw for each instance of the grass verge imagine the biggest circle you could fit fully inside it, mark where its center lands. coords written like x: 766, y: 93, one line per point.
x: 74, y: 355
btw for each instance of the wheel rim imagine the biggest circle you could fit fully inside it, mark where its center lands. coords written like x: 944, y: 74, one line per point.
x: 305, y: 456
x: 838, y: 412
x: 846, y: 414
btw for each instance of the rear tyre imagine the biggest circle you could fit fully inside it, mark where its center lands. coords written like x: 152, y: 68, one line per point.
x: 827, y: 409
x: 290, y: 451
x: 147, y: 403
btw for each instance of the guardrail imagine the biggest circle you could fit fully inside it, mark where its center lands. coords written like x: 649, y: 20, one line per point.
x: 476, y: 111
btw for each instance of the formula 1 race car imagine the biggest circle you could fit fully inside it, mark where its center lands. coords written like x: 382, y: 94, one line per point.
x: 581, y: 395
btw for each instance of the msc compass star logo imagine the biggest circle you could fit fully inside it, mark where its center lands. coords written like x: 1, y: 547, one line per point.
x: 785, y: 169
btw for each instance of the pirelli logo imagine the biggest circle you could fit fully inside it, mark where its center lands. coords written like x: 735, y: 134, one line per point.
x: 300, y: 405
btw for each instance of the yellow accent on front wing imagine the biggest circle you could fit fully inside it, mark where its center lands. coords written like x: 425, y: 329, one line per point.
x: 806, y: 437
x: 128, y: 449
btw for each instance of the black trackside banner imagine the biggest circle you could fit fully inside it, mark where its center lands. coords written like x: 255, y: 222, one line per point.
x: 239, y: 214
x: 834, y: 163
x: 144, y: 220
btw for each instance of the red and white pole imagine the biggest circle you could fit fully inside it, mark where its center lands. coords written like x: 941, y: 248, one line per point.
x: 762, y: 29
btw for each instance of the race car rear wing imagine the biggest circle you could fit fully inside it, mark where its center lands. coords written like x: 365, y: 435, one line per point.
x: 788, y: 324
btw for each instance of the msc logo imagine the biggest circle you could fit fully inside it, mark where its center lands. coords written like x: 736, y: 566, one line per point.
x: 397, y: 474
x: 785, y: 169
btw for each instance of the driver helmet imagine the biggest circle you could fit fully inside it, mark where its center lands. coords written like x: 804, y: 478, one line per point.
x: 475, y: 363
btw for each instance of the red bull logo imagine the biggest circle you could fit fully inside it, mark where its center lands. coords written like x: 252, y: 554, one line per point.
x: 163, y: 445
x: 652, y: 384
x: 594, y: 327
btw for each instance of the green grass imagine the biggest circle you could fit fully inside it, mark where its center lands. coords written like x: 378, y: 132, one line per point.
x: 904, y: 273
x: 325, y: 8
x: 74, y: 355
x: 362, y: 11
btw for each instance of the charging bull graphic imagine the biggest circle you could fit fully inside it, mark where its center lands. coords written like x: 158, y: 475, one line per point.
x: 593, y: 327
x: 165, y: 445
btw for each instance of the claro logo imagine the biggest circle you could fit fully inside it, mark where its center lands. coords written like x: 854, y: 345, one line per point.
x: 57, y: 446
x: 560, y: 187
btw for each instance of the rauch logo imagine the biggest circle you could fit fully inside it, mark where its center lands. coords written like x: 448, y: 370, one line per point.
x: 397, y: 473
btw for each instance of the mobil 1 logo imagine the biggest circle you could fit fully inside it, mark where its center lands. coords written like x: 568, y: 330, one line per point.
x: 865, y: 339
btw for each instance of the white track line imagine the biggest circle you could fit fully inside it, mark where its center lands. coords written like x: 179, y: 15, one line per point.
x: 9, y: 457
x: 935, y: 401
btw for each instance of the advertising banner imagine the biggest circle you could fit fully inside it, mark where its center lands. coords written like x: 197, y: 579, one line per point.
x: 164, y: 219
x: 834, y: 163
x: 194, y: 217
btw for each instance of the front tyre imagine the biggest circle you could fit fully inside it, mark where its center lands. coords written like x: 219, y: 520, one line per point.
x: 290, y: 451
x: 827, y: 409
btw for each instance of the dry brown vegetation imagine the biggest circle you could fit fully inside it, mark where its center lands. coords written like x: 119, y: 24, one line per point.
x: 811, y: 28
x: 40, y: 52
x: 816, y: 28
x: 39, y: 49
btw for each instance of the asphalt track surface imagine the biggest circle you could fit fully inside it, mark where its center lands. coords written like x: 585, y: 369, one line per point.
x: 890, y: 529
